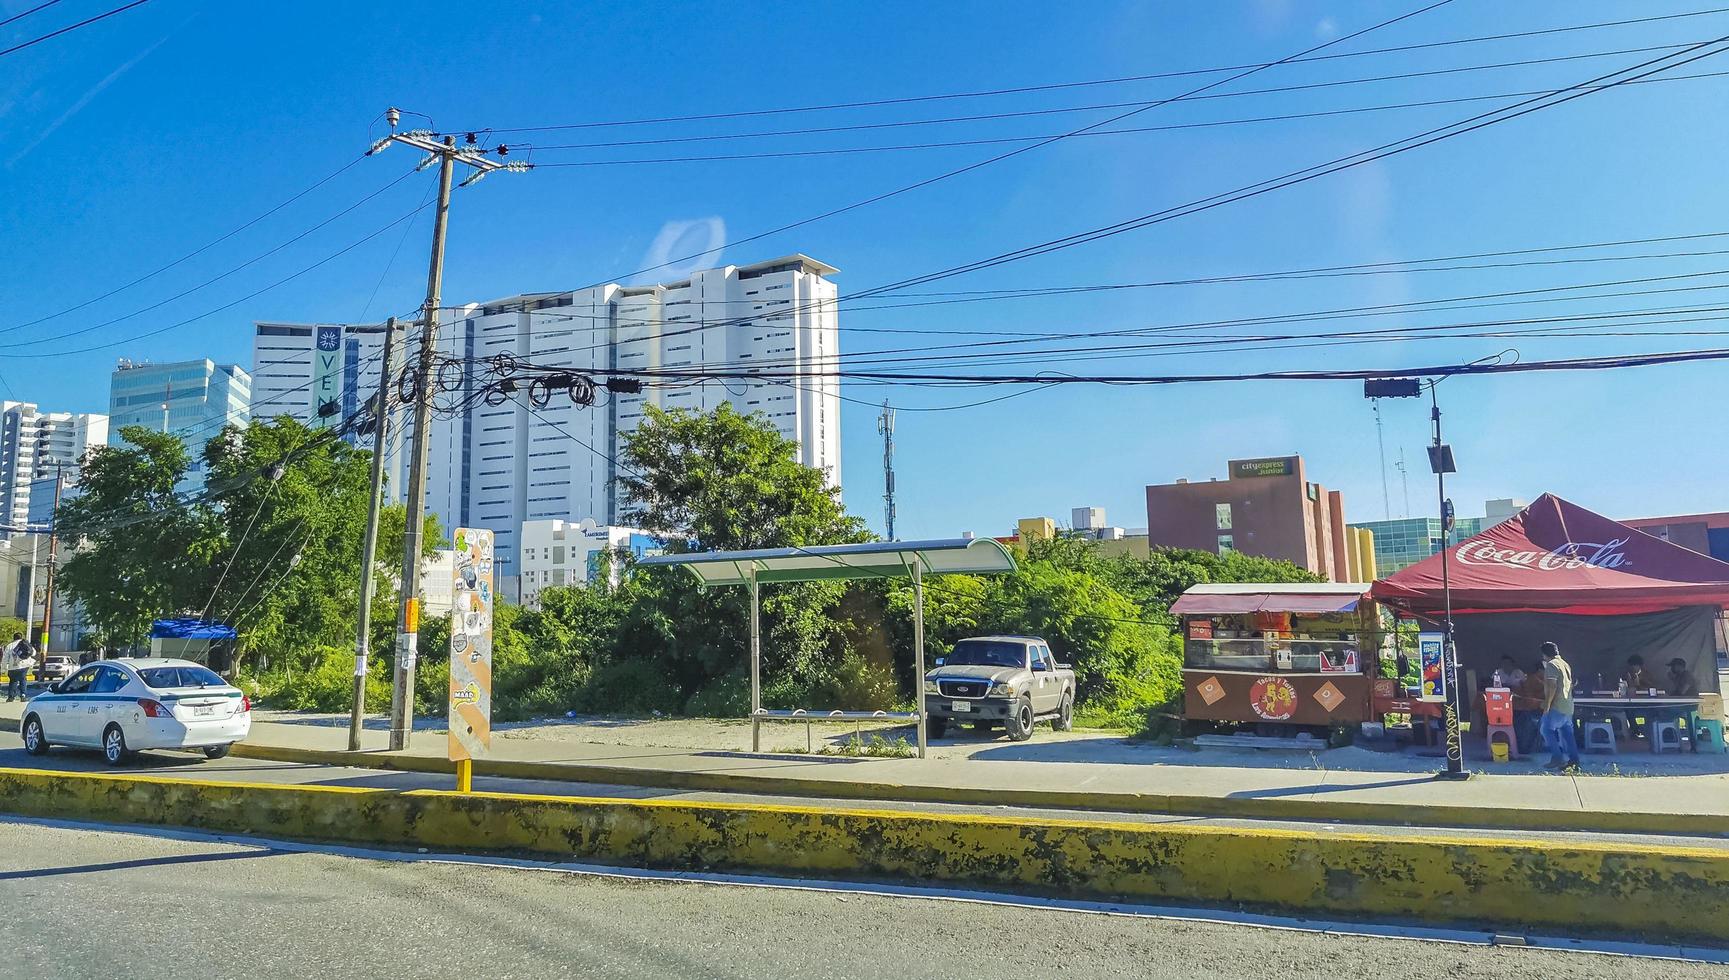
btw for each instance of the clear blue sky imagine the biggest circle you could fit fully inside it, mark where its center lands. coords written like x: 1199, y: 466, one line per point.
x: 138, y: 139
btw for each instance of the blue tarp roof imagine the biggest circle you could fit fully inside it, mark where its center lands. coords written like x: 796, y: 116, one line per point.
x: 190, y: 629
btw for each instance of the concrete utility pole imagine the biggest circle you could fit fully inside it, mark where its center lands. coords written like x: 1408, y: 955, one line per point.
x: 446, y: 154
x: 886, y: 426
x: 369, y: 549
x: 53, y: 541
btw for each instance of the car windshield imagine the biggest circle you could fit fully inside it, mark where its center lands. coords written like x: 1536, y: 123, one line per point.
x: 987, y: 653
x: 166, y: 677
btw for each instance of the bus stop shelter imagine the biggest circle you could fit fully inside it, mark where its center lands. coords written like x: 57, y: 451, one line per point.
x: 877, y: 559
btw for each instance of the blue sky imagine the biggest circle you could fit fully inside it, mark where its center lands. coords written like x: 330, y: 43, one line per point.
x: 136, y: 140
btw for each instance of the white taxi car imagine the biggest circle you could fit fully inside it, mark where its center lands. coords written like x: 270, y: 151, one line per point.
x: 120, y: 706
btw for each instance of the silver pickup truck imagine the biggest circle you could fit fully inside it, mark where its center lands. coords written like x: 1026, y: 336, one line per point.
x: 1011, y: 681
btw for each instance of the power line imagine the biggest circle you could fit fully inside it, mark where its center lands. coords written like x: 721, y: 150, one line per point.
x: 1019, y: 90
x: 217, y: 278
x: 226, y: 306
x: 1359, y: 158
x: 189, y: 255
x: 1062, y: 110
x: 988, y: 141
x: 1027, y: 149
x: 26, y: 13
x: 67, y: 30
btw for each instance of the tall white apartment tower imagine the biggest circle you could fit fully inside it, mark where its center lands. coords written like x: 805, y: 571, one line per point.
x: 496, y: 466
x: 26, y: 475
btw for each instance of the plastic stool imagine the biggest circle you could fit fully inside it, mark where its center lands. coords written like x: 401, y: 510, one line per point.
x: 1597, y: 736
x: 1505, y: 734
x: 1707, y: 734
x: 1665, y: 735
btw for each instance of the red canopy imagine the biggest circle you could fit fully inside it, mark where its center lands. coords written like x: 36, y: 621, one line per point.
x: 1559, y: 557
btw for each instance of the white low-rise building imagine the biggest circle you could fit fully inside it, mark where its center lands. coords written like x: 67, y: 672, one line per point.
x: 436, y: 584
x: 557, y: 553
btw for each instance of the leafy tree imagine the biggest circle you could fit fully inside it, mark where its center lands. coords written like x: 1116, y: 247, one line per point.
x: 143, y: 551
x: 721, y: 481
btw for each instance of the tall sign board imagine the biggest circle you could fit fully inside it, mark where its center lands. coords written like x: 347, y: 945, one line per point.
x: 327, y: 377
x: 471, y: 602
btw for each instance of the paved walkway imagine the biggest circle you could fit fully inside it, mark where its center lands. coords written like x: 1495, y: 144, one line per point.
x: 1235, y: 782
x: 1681, y: 794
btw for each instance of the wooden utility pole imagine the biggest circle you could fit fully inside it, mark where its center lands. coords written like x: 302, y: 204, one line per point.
x: 368, y: 552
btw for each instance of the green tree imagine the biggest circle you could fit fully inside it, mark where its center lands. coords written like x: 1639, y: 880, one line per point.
x: 721, y: 481
x: 143, y: 551
x: 725, y: 481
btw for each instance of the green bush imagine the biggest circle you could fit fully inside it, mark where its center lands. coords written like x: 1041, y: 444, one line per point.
x: 629, y: 687
x: 727, y: 696
x: 327, y: 686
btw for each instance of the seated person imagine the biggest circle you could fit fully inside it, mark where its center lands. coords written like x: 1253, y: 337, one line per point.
x: 1528, y: 709
x: 1510, y: 674
x: 1635, y: 676
x: 1681, y: 683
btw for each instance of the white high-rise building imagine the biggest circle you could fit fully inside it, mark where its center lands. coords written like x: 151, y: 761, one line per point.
x: 496, y: 466
x: 304, y: 369
x: 27, y: 474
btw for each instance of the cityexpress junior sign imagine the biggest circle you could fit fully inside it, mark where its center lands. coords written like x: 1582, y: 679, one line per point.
x: 1278, y: 466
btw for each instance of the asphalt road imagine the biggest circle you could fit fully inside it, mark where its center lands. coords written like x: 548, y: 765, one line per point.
x: 146, y: 906
x: 191, y: 766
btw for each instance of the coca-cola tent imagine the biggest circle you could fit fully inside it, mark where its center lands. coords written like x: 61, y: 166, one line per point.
x: 1556, y: 571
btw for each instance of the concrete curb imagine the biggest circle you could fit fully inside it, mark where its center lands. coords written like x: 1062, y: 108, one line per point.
x: 1671, y: 892
x: 1254, y: 808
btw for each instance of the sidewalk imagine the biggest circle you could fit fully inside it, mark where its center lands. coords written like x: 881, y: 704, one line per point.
x: 1685, y: 804
x: 1221, y: 784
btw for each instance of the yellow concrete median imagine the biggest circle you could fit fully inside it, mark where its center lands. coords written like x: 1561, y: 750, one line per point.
x: 1635, y: 891
x: 1508, y: 818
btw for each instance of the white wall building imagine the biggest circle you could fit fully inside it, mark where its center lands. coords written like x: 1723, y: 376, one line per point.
x: 557, y: 553
x: 26, y: 475
x: 497, y: 466
x: 437, y: 584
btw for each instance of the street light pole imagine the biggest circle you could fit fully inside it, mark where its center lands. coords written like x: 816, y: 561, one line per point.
x: 1441, y: 461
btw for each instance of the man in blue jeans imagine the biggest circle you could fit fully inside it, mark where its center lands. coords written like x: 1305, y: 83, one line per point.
x: 1557, y: 723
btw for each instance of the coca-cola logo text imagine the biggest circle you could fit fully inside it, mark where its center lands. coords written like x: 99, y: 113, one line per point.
x: 1573, y: 554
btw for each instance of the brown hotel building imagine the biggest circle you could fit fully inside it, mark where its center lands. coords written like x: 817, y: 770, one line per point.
x: 1264, y: 507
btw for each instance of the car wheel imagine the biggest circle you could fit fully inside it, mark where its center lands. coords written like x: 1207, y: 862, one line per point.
x: 1065, y: 715
x: 1020, y: 721
x: 935, y: 727
x: 35, y: 741
x: 114, y: 745
x: 217, y: 751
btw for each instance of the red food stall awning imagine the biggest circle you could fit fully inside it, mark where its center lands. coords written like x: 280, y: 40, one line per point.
x: 1555, y: 556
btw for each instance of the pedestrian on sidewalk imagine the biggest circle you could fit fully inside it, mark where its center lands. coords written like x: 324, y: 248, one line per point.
x: 17, y: 659
x: 1557, y: 723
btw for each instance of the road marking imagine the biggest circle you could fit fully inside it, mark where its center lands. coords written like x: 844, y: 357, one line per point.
x: 1368, y: 930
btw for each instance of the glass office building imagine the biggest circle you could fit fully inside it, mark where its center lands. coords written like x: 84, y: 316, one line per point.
x: 192, y: 399
x: 1402, y: 543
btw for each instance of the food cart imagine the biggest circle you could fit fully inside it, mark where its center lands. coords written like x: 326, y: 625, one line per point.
x: 1298, y: 654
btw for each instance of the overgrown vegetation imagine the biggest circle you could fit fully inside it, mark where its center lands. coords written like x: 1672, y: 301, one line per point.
x: 656, y: 643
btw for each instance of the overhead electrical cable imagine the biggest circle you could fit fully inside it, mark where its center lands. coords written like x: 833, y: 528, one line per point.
x: 86, y: 22
x: 1021, y: 90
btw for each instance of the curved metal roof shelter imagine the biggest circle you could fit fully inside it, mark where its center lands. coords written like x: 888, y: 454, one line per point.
x: 877, y: 559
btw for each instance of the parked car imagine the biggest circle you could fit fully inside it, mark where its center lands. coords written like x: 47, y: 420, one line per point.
x: 121, y: 706
x: 1013, y: 681
x: 55, y: 667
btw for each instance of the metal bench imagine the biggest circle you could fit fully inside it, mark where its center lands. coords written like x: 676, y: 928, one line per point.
x: 761, y: 715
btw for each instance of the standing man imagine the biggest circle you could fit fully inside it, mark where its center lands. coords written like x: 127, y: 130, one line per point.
x: 17, y: 661
x: 1557, y: 721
